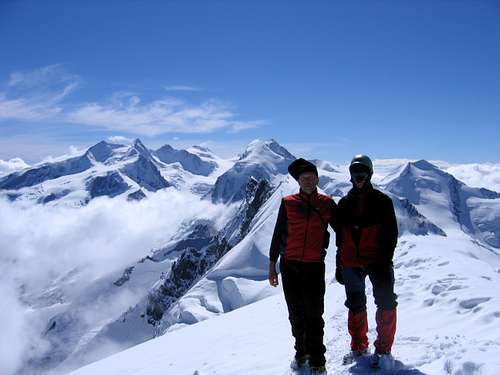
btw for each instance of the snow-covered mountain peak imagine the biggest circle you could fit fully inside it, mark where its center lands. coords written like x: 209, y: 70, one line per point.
x: 325, y: 165
x: 202, y: 148
x: 138, y: 148
x: 262, y: 160
x: 102, y: 151
x: 422, y: 168
x: 259, y: 150
x: 190, y: 162
x: 202, y: 152
x: 448, y: 202
x: 424, y: 165
x: 166, y: 147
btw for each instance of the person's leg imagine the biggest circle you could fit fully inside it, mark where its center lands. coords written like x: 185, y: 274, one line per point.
x: 292, y: 288
x: 382, y: 279
x: 357, y: 322
x: 314, y: 297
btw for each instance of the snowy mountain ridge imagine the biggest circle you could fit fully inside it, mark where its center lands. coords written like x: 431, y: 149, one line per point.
x: 210, y: 268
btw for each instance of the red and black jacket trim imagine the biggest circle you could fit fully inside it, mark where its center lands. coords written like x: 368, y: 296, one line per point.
x: 301, y: 228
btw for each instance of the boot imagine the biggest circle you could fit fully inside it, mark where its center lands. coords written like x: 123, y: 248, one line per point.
x: 318, y: 370
x: 299, y: 362
x: 383, y: 361
x: 353, y: 356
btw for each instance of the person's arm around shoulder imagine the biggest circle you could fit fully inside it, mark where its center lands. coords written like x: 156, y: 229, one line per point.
x: 276, y: 244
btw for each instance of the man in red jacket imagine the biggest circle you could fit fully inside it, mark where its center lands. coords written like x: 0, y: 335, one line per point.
x: 301, y: 238
x: 366, y: 236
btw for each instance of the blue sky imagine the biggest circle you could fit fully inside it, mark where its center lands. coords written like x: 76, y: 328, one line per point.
x: 327, y: 79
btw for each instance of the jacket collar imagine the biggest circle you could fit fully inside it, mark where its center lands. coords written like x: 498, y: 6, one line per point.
x: 368, y: 188
x: 304, y: 195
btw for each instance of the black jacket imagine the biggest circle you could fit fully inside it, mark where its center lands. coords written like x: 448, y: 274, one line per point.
x: 377, y: 209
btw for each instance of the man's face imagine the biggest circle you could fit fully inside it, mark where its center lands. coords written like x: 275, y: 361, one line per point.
x: 308, y: 181
x: 359, y: 175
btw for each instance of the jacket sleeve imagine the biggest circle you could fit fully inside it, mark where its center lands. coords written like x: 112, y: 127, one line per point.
x: 279, y: 236
x: 334, y: 215
x: 338, y: 231
x: 389, y: 230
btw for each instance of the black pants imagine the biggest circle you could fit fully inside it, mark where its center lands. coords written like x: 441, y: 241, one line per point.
x: 382, y: 279
x: 304, y: 287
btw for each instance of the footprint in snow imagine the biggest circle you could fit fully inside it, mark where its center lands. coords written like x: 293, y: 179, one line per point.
x: 473, y: 302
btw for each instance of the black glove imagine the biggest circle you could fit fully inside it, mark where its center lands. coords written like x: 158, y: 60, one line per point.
x: 338, y: 275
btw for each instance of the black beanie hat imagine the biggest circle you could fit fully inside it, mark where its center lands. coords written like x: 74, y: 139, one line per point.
x: 299, y: 166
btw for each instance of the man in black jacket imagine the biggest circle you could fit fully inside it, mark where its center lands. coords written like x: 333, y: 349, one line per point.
x: 366, y: 237
x: 300, y: 239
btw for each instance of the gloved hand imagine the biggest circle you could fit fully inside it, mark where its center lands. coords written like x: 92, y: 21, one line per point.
x: 338, y: 275
x: 273, y: 275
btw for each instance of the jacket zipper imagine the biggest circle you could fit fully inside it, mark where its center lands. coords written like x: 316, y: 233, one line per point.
x: 358, y: 229
x: 305, y: 235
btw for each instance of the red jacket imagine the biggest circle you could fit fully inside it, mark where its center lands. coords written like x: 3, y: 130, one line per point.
x: 300, y: 231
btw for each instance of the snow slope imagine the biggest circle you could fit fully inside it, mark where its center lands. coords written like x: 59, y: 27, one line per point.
x: 447, y: 318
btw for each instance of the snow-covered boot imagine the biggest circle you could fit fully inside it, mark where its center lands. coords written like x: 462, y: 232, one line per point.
x: 299, y: 362
x: 318, y: 370
x: 353, y: 356
x: 383, y: 361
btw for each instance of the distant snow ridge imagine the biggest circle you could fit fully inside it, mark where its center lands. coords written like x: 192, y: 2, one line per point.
x: 441, y: 196
x: 145, y: 173
x: 261, y: 160
x: 322, y: 164
x: 49, y: 171
x: 102, y: 151
x: 105, y: 169
x: 190, y: 162
x: 117, y: 169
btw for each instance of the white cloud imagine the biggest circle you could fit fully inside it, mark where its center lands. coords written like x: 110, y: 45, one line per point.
x: 41, y: 77
x: 12, y: 165
x: 72, y: 151
x: 485, y: 175
x: 167, y: 115
x: 33, y: 148
x: 40, y: 95
x: 105, y: 234
x: 36, y: 95
x: 182, y: 88
x: 119, y: 139
x: 12, y: 320
x: 41, y: 243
